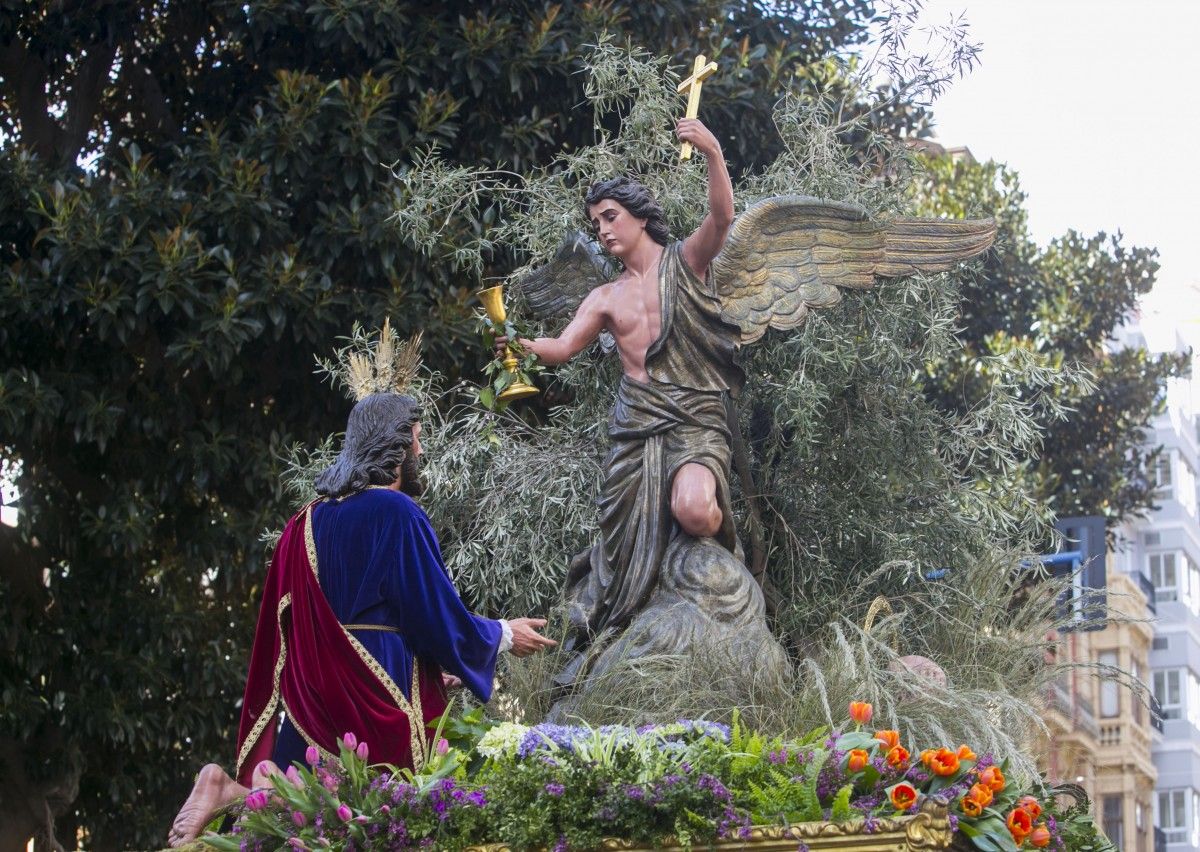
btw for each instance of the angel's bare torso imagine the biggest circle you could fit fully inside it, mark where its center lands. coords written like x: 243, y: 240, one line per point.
x: 631, y: 310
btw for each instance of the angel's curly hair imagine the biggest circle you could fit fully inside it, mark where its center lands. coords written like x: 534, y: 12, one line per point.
x: 635, y: 198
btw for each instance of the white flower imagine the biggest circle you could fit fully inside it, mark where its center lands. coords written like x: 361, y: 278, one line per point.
x: 502, y: 740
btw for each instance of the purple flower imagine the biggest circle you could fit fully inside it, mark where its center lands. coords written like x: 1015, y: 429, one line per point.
x: 714, y: 786
x: 634, y: 792
x: 299, y: 818
x: 443, y: 745
x: 256, y: 800
x: 554, y: 789
x: 779, y: 757
x: 312, y: 756
x: 328, y: 780
x: 561, y: 845
x: 344, y: 813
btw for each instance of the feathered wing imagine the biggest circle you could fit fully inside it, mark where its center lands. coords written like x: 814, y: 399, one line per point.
x: 789, y: 254
x: 556, y: 290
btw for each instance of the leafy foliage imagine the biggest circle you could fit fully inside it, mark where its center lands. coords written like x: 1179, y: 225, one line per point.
x: 194, y: 200
x: 1061, y: 304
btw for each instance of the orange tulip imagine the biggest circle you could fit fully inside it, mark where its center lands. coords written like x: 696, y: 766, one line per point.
x: 861, y: 712
x: 891, y: 739
x: 897, y: 757
x: 965, y: 753
x: 1020, y: 823
x: 944, y: 762
x: 858, y: 760
x: 1040, y: 836
x: 1030, y: 804
x: 903, y: 795
x: 994, y: 779
x: 970, y: 806
x: 982, y: 794
x: 927, y: 756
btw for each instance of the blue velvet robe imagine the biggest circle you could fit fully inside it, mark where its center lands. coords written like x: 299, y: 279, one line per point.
x: 379, y: 563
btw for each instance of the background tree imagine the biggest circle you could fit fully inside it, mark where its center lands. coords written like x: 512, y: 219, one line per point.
x: 192, y: 204
x: 1062, y: 302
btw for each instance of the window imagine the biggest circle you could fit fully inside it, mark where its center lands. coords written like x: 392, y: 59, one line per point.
x: 1114, y: 820
x: 1164, y: 576
x: 1172, y: 815
x: 1195, y: 819
x: 1168, y: 693
x: 1189, y: 578
x: 1110, y: 698
x: 1185, y: 488
x: 1191, y: 699
x: 1160, y: 473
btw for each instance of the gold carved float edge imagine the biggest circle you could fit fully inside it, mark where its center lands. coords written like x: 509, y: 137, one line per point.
x: 927, y: 829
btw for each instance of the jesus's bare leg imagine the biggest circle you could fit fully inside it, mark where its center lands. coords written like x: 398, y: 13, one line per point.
x: 214, y: 790
x: 694, y: 500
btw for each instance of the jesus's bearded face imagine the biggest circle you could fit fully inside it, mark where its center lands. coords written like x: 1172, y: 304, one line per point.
x: 410, y: 468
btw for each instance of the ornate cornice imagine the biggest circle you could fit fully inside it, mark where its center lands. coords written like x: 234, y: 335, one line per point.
x: 928, y: 829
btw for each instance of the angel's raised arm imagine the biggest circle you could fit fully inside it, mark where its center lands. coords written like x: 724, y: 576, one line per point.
x: 706, y: 242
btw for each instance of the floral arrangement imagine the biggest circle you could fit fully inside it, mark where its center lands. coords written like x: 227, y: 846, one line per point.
x: 561, y: 787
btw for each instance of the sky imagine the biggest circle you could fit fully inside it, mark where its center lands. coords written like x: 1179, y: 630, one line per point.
x: 1096, y: 105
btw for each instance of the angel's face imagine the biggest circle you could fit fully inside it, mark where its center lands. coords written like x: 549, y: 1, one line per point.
x: 617, y: 229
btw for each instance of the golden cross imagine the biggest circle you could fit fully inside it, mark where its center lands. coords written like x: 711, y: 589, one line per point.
x: 701, y: 71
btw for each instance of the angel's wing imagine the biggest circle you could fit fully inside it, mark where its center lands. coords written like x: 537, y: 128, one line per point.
x: 788, y: 254
x: 557, y: 289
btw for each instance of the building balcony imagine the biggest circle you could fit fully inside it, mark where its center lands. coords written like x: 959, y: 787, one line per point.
x: 1126, y: 745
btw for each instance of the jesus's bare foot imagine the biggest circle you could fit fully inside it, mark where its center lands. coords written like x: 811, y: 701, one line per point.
x: 214, y: 789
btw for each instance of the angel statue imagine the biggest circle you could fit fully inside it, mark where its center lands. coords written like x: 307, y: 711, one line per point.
x: 666, y: 573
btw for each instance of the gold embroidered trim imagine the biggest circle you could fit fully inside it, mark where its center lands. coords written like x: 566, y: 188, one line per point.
x: 268, y: 712
x: 324, y: 753
x: 416, y: 725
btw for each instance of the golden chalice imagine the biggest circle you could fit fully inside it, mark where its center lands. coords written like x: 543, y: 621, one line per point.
x: 493, y: 304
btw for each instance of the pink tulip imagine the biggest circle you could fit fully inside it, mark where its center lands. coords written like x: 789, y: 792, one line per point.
x: 293, y: 775
x: 385, y: 809
x: 264, y: 768
x: 299, y: 818
x: 256, y: 800
x: 350, y: 740
x: 296, y: 843
x: 312, y: 756
x: 443, y: 746
x: 343, y: 813
x: 361, y: 751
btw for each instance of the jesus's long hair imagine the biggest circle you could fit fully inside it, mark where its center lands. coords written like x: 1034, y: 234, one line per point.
x: 379, y: 437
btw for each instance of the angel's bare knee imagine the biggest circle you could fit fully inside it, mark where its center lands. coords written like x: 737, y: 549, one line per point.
x: 694, y: 501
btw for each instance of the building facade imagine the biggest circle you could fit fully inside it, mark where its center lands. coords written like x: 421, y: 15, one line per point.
x: 1164, y: 549
x: 1100, y: 734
